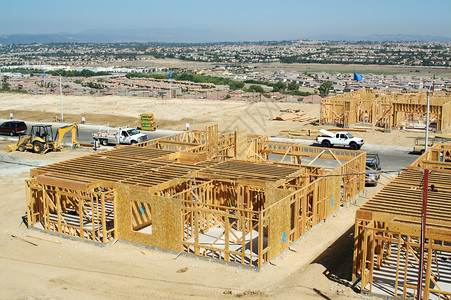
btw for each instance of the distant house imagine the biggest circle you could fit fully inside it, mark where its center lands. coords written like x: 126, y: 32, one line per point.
x: 339, y: 89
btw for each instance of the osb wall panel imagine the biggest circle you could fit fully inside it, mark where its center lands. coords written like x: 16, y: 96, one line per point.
x: 279, y: 228
x: 333, y: 195
x: 281, y: 194
x: 241, y: 144
x: 166, y: 218
x: 446, y: 116
x: 270, y: 194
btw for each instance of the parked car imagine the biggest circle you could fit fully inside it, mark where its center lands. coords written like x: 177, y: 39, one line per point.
x: 330, y: 139
x: 374, y: 163
x: 127, y: 136
x: 13, y: 128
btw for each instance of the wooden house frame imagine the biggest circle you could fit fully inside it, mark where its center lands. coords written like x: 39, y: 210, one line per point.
x: 386, y: 110
x: 206, y: 193
x: 388, y: 226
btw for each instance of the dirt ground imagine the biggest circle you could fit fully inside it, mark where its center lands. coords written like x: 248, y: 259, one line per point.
x: 72, y: 269
x: 175, y: 113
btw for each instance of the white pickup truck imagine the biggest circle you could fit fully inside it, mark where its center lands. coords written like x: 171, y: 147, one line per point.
x: 330, y: 139
x: 126, y: 136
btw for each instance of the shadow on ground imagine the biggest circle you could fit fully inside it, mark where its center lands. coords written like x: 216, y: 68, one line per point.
x: 338, y: 260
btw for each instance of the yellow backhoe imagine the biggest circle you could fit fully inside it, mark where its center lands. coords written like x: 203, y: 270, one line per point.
x: 40, y: 139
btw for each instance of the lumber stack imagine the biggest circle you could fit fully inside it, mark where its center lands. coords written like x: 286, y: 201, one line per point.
x: 306, y: 119
x: 295, y: 116
x: 289, y: 116
x: 147, y: 122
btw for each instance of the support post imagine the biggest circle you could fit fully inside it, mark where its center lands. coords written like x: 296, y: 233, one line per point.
x: 423, y: 231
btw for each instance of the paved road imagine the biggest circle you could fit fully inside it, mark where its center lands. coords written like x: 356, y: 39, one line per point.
x: 85, y: 131
x: 393, y: 159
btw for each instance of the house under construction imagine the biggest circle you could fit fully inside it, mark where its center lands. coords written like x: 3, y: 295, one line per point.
x: 388, y: 228
x: 386, y: 110
x: 231, y: 197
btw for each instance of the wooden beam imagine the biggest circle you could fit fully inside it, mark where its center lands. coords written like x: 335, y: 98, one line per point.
x: 316, y: 157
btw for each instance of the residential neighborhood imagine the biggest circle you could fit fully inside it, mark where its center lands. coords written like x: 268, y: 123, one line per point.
x: 262, y: 64
x: 31, y: 79
x: 301, y: 51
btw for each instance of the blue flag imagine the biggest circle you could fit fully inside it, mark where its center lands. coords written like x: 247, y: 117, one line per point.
x: 43, y: 75
x: 170, y: 75
x: 358, y: 77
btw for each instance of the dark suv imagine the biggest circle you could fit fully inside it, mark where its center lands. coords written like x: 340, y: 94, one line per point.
x: 372, y: 172
x: 13, y: 128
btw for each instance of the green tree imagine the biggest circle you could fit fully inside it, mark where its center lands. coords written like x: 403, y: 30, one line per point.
x: 235, y: 85
x: 5, y: 84
x: 256, y: 88
x: 325, y: 88
x: 293, y: 86
x: 278, y: 87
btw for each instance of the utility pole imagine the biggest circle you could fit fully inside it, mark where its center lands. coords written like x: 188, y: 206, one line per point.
x: 61, y: 100
x: 170, y: 85
x: 43, y: 77
x: 423, y: 233
x: 427, y: 123
x: 427, y: 115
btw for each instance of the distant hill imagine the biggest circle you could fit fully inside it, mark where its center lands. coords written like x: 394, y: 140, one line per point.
x: 36, y: 38
x: 184, y: 35
x: 171, y: 35
x: 383, y: 38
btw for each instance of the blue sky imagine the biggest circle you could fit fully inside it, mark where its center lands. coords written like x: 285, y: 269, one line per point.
x: 251, y: 19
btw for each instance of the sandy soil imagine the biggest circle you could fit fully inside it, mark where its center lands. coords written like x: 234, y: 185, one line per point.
x: 75, y: 270
x: 173, y: 114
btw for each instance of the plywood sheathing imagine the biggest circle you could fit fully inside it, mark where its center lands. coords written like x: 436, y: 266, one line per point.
x: 279, y: 224
x: 241, y: 144
x: 165, y: 218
